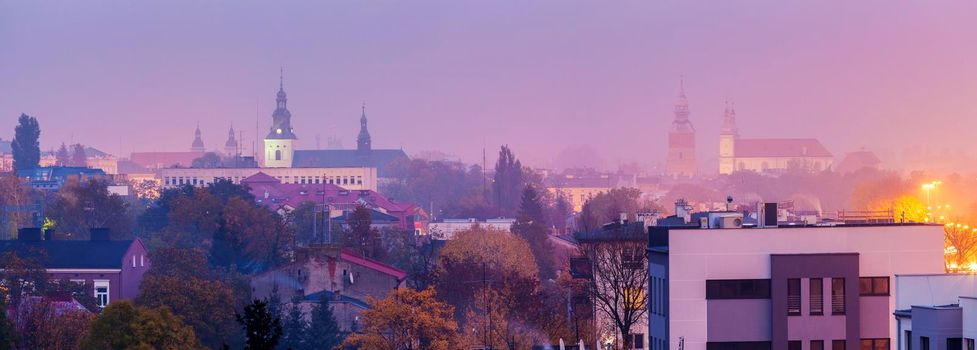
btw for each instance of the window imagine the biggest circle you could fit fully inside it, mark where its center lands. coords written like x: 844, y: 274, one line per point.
x: 924, y: 343
x: 817, y: 345
x: 738, y: 289
x: 102, y: 292
x: 133, y: 261
x: 874, y: 286
x: 794, y: 297
x: 141, y: 261
x: 969, y: 342
x: 278, y: 154
x: 838, y: 344
x: 837, y: 296
x: 638, y: 341
x: 817, y: 296
x: 794, y: 345
x: 877, y: 344
x: 954, y: 343
x: 909, y: 340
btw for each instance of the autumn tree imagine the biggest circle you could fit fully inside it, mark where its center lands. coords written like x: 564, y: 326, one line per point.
x: 14, y: 204
x: 417, y: 255
x: 507, y: 182
x: 42, y: 326
x: 620, y: 275
x: 23, y: 276
x: 180, y: 280
x: 250, y: 237
x: 7, y: 332
x: 122, y: 325
x: 208, y: 161
x: 531, y: 225
x: 80, y: 206
x: 262, y: 330
x: 608, y: 206
x: 191, y: 217
x: 25, y: 146
x: 361, y: 236
x: 445, y: 188
x: 407, y: 320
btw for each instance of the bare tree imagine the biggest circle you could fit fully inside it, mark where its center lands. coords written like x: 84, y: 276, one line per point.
x: 963, y: 239
x: 620, y: 277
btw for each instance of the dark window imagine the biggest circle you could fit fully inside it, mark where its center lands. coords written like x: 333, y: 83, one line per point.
x: 954, y: 343
x: 875, y: 344
x: 817, y: 345
x: 794, y: 345
x: 969, y: 342
x: 817, y: 296
x: 838, y: 344
x: 837, y: 296
x: 738, y: 289
x: 794, y: 297
x: 874, y: 286
x: 743, y: 345
x: 924, y: 343
x: 639, y: 340
x: 909, y: 340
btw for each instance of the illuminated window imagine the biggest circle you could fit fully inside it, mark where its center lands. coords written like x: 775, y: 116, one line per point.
x: 102, y: 292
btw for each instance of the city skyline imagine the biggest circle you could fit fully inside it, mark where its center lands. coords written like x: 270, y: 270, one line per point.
x: 501, y: 74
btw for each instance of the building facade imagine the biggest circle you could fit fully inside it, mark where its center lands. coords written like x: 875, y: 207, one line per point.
x: 767, y: 155
x: 804, y: 287
x: 352, y: 178
x: 936, y: 311
x: 681, y: 160
x: 447, y: 228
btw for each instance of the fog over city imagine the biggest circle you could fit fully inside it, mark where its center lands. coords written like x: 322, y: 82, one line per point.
x: 544, y: 77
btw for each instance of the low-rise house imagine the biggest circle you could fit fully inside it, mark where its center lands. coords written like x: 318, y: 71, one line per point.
x: 342, y: 276
x: 111, y: 270
x: 447, y: 228
x: 52, y: 178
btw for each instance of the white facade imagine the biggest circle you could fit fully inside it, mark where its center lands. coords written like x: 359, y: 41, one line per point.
x: 449, y: 227
x: 279, y: 153
x: 709, y: 254
x: 348, y: 178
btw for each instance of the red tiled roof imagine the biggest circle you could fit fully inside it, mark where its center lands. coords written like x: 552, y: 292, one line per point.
x: 765, y: 148
x: 373, y: 264
x: 293, y: 195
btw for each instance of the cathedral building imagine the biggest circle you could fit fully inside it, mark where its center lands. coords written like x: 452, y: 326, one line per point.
x: 280, y: 149
x: 681, y: 162
x: 768, y: 155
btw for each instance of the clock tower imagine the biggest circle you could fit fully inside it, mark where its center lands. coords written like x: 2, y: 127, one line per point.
x: 280, y: 142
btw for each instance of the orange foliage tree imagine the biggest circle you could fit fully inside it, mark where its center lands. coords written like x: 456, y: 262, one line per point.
x: 407, y: 320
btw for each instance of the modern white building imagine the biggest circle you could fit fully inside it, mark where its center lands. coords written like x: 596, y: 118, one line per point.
x: 447, y: 228
x: 808, y: 287
x: 936, y: 311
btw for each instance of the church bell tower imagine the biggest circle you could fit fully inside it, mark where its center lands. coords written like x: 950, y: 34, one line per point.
x: 280, y: 142
x: 681, y: 161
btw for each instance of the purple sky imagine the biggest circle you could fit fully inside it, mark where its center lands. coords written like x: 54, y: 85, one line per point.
x: 542, y: 76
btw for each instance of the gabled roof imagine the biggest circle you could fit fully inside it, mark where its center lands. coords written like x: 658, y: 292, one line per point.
x: 353, y: 258
x: 770, y: 148
x: 66, y: 254
x: 294, y: 195
x: 348, y: 158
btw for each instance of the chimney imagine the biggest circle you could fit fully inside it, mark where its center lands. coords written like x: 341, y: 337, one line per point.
x: 683, y: 210
x: 29, y: 234
x: 624, y: 218
x: 100, y: 234
x: 48, y: 234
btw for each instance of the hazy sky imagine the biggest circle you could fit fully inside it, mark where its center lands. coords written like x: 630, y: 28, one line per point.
x: 542, y: 76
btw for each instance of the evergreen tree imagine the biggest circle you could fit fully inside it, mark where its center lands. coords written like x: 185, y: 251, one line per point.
x: 362, y: 237
x: 531, y: 225
x: 507, y: 182
x: 275, y: 302
x: 78, y: 156
x: 262, y: 330
x: 62, y: 158
x: 294, y: 328
x: 6, y: 327
x: 323, y: 331
x: 25, y: 146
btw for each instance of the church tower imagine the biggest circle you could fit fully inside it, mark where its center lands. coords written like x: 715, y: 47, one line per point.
x: 230, y: 147
x: 280, y: 142
x: 727, y: 141
x: 363, y: 139
x: 198, y: 143
x: 681, y: 162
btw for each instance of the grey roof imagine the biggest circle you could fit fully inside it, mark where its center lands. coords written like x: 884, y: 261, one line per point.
x: 337, y: 158
x: 65, y: 254
x: 5, y: 146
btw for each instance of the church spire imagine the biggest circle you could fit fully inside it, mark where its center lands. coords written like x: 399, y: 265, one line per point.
x: 363, y: 143
x: 729, y: 120
x: 198, y: 143
x: 682, y: 122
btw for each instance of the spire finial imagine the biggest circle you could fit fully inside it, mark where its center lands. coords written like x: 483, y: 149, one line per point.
x: 681, y: 84
x: 364, y: 108
x: 281, y: 78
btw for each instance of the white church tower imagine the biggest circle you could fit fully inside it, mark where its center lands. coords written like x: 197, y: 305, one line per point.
x: 280, y: 142
x: 727, y: 141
